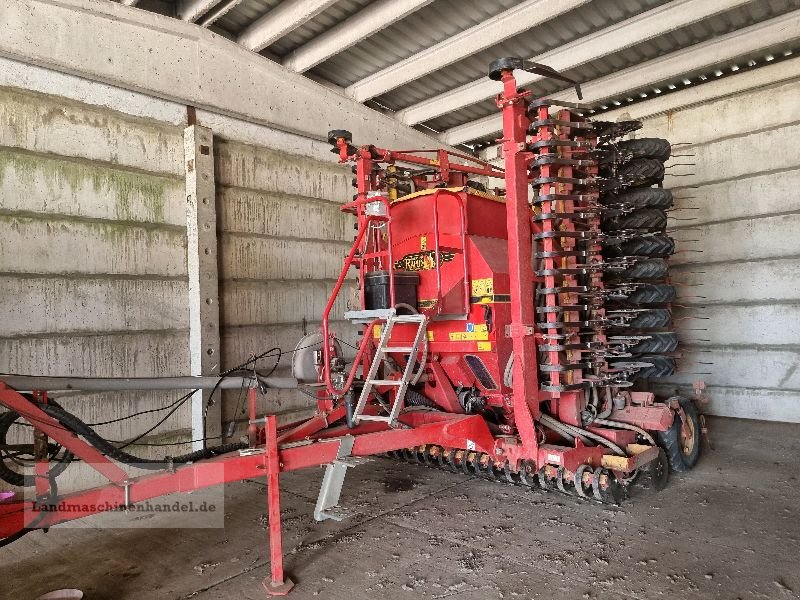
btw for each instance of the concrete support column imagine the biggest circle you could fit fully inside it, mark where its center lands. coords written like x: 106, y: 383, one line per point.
x: 202, y: 261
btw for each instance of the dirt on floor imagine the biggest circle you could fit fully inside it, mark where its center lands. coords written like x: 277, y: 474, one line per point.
x: 729, y: 529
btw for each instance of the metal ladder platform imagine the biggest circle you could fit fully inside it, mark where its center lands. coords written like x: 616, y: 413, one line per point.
x: 391, y: 318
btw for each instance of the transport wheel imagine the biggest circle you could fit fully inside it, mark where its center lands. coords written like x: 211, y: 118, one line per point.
x: 659, y: 246
x: 663, y: 366
x: 657, y: 148
x: 655, y: 318
x: 644, y: 197
x: 652, y: 293
x: 641, y: 172
x: 682, y: 446
x: 652, y: 219
x: 657, y: 343
x: 651, y: 268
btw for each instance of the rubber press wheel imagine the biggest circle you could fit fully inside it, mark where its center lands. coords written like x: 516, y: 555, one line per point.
x: 683, y: 451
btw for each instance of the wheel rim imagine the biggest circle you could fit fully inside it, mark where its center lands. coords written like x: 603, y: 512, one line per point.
x: 688, y: 437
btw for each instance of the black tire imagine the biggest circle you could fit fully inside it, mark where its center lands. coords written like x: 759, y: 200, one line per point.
x: 650, y: 219
x: 17, y: 478
x: 662, y: 366
x: 642, y: 197
x: 657, y: 343
x: 652, y: 293
x: 651, y: 268
x: 657, y: 148
x: 652, y: 245
x: 682, y: 453
x: 636, y: 173
x: 656, y: 318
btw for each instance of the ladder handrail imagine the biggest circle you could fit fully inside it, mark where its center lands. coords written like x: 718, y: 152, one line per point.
x: 348, y: 262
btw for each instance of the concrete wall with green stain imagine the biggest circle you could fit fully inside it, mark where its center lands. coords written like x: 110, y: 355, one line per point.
x: 93, y: 254
x: 93, y: 246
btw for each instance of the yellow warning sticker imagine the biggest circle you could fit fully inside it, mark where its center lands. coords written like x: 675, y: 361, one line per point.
x: 483, y: 287
x: 423, y: 242
x: 430, y: 335
x: 376, y: 332
x: 473, y: 333
x: 484, y: 346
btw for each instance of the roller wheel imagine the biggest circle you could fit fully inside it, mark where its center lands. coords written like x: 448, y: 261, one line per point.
x: 651, y: 219
x: 652, y: 293
x: 650, y: 245
x: 527, y: 474
x: 652, y: 268
x: 682, y: 447
x: 656, y: 318
x: 641, y: 171
x: 659, y: 343
x: 643, y: 197
x: 658, y: 471
x: 657, y: 148
x: 662, y: 366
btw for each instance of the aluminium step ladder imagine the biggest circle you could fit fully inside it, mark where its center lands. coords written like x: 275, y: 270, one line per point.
x: 391, y: 319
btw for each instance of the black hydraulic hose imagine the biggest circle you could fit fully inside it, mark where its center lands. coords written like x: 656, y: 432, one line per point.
x: 74, y: 424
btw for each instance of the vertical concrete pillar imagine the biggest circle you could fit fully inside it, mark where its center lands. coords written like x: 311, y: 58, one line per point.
x: 202, y: 260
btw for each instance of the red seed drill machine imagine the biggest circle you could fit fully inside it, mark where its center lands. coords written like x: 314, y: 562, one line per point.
x: 506, y: 334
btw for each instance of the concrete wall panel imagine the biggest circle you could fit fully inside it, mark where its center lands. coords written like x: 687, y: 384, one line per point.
x: 139, y: 354
x: 737, y: 199
x: 265, y: 258
x: 47, y: 124
x: 740, y: 367
x: 268, y: 170
x: 281, y: 215
x: 32, y: 304
x: 742, y: 325
x: 278, y: 302
x: 46, y: 184
x: 61, y: 245
x: 739, y: 282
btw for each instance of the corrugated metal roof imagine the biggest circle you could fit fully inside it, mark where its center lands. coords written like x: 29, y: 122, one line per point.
x: 441, y: 19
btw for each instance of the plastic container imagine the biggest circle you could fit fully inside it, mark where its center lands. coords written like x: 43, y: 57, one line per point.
x: 376, y: 290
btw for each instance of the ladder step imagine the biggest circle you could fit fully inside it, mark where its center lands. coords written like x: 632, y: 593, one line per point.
x: 374, y: 418
x: 385, y: 382
x: 403, y: 349
x: 408, y: 318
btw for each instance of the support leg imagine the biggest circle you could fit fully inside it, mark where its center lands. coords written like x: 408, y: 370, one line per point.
x: 277, y: 585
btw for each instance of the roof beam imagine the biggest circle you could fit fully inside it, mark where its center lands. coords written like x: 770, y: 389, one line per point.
x: 492, y: 31
x: 643, y: 27
x: 286, y: 17
x: 348, y: 33
x: 218, y: 12
x: 677, y: 64
x: 189, y: 65
x: 191, y: 10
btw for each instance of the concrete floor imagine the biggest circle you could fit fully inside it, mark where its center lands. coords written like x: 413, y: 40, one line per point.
x: 729, y: 529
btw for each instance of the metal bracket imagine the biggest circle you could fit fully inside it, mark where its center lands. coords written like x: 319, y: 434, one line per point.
x: 328, y: 500
x: 514, y: 328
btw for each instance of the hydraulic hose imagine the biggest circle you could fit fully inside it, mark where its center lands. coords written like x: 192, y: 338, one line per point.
x: 74, y: 424
x: 620, y: 425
